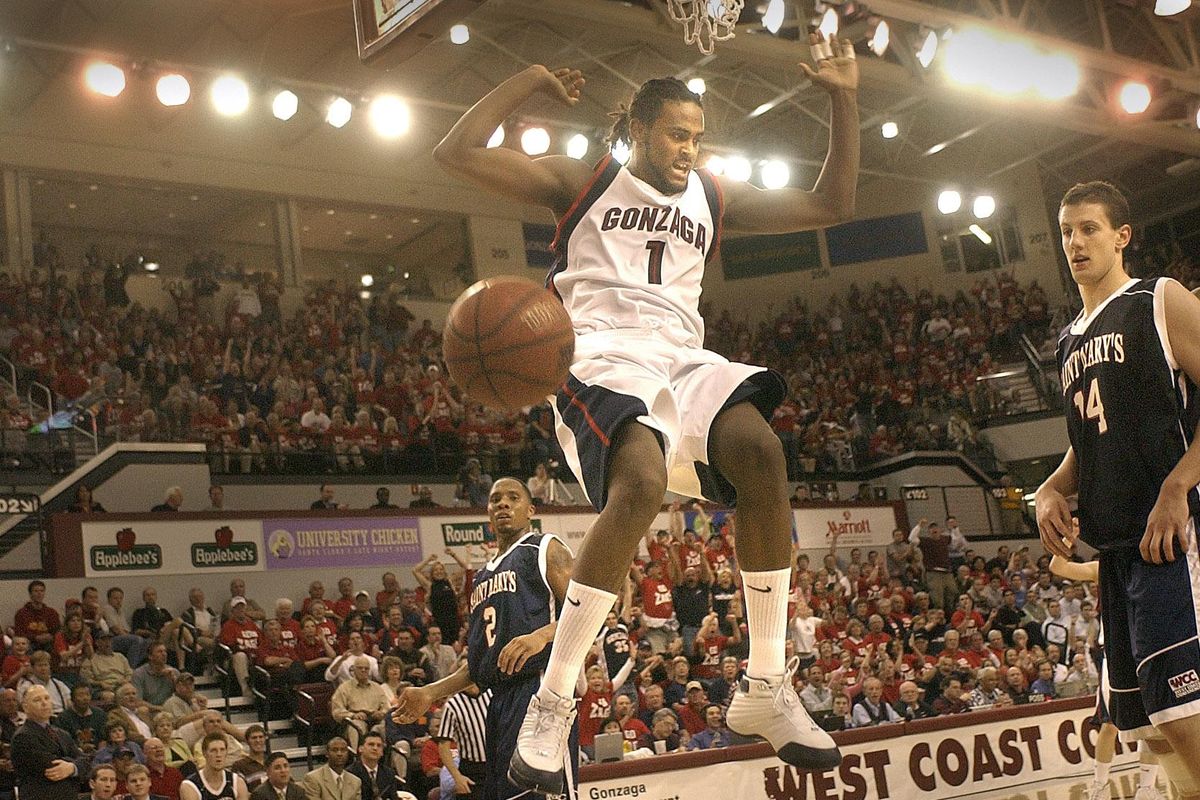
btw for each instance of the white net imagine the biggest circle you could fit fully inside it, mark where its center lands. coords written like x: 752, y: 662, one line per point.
x: 706, y: 21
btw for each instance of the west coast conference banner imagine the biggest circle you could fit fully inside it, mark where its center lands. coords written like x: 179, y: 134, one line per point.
x: 178, y: 545
x: 992, y: 758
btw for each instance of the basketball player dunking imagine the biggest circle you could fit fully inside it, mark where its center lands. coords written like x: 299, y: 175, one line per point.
x: 645, y: 407
x: 513, y: 611
x: 1130, y: 368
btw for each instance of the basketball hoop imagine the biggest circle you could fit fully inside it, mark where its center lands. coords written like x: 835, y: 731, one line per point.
x: 706, y: 21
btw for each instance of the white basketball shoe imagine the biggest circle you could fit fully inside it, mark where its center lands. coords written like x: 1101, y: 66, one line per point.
x: 537, y: 763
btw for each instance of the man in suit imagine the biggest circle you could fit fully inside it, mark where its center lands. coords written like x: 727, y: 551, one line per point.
x: 103, y: 782
x: 379, y: 781
x: 332, y: 781
x: 46, y: 760
x: 278, y: 785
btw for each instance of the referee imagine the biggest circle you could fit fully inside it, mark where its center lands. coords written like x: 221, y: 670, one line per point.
x: 464, y: 720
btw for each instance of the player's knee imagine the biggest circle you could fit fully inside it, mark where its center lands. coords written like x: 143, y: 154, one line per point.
x: 761, y: 464
x: 639, y: 486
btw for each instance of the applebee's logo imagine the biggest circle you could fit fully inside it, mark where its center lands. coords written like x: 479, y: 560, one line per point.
x: 225, y: 553
x: 127, y: 554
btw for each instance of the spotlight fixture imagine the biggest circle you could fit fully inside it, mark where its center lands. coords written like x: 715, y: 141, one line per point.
x: 497, y: 138
x: 949, y: 201
x: 1165, y: 8
x: 577, y: 146
x: 737, y: 169
x: 881, y: 38
x: 230, y: 95
x: 928, y: 49
x: 150, y: 266
x: 890, y: 130
x: 774, y: 174
x: 173, y: 89
x: 364, y: 295
x: 389, y: 116
x: 368, y: 281
x: 697, y: 86
x: 772, y: 20
x: 535, y: 141
x: 983, y: 206
x: 715, y: 164
x: 339, y: 112
x: 829, y: 23
x: 1134, y: 97
x: 104, y: 78
x: 980, y: 233
x: 285, y: 105
x: 460, y: 34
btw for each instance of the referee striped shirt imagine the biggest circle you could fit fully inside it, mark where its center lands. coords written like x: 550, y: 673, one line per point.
x: 464, y: 719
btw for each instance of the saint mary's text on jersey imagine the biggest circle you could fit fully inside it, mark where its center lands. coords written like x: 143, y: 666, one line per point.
x: 656, y: 220
x: 1098, y: 350
x: 500, y: 582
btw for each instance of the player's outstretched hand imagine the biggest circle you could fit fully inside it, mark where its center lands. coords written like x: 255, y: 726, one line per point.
x: 518, y: 651
x: 1054, y: 522
x: 463, y: 785
x: 837, y: 69
x: 1168, y: 521
x: 410, y: 704
x: 564, y: 84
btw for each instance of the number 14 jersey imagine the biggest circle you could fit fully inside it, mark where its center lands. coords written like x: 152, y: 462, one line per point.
x: 1131, y: 411
x: 510, y: 597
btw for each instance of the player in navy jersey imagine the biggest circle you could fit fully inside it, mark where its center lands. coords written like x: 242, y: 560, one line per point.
x: 514, y: 604
x: 1130, y: 366
x: 645, y: 407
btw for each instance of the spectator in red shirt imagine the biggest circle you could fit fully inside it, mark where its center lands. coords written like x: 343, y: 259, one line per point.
x: 241, y: 635
x: 341, y: 608
x: 632, y: 728
x: 691, y: 713
x: 280, y: 660
x: 35, y: 620
x: 710, y: 644
x: 289, y: 628
x: 164, y: 780
x: 314, y: 650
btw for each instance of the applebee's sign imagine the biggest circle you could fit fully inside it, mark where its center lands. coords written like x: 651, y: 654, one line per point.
x: 225, y: 552
x: 126, y: 554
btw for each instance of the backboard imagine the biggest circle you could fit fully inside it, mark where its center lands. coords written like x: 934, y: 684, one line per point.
x: 390, y: 31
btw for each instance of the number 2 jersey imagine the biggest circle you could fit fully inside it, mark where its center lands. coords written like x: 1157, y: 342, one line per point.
x: 510, y: 597
x: 628, y: 256
x: 1131, y: 411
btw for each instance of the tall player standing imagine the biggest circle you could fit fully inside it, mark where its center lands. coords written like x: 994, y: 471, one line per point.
x: 645, y: 408
x: 1130, y: 368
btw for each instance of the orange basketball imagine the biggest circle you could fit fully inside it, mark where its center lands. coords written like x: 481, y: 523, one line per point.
x: 508, y: 342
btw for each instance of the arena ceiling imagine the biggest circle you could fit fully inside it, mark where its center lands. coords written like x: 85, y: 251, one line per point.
x: 947, y: 135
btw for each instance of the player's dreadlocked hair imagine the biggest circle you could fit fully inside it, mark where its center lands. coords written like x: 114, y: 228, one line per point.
x: 646, y: 105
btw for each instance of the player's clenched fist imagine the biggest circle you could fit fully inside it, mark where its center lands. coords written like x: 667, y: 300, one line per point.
x: 410, y: 704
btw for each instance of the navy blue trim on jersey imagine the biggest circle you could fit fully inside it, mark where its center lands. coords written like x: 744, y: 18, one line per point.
x: 716, y: 208
x: 606, y: 172
x: 595, y: 414
x: 765, y: 391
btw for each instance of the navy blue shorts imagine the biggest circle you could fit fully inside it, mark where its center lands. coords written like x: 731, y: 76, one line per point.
x: 510, y: 703
x: 1150, y: 616
x: 1101, y: 716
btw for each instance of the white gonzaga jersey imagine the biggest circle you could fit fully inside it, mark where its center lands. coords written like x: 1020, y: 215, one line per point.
x: 628, y: 256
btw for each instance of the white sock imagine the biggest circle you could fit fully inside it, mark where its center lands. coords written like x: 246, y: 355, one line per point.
x: 1148, y: 776
x: 582, y: 616
x: 766, y: 595
x: 1101, y: 774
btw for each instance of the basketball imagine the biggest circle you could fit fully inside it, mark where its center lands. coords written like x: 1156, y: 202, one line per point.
x: 508, y: 342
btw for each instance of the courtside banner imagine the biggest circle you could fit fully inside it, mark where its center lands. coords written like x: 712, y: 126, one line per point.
x: 320, y: 542
x: 989, y: 759
x: 855, y: 526
x: 174, y: 547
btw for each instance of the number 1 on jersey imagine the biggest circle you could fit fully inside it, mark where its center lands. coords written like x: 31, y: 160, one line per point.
x: 656, y: 248
x: 1094, y: 409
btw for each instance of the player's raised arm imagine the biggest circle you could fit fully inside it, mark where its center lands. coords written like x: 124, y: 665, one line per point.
x: 1168, y: 519
x: 550, y: 181
x: 831, y: 200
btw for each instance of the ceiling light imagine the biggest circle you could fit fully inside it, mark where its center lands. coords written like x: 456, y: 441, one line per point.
x: 406, y: 276
x: 1165, y: 8
x: 330, y: 211
x: 535, y: 141
x: 715, y: 165
x: 772, y: 20
x: 151, y: 266
x: 774, y: 175
x: 1134, y: 97
x: 737, y: 169
x: 829, y: 24
x: 764, y: 108
x: 1058, y: 78
x: 364, y: 295
x: 415, y: 220
x: 620, y: 152
x: 1198, y: 117
x: 890, y: 130
x: 497, y: 138
x: 460, y: 34
x: 928, y: 49
x: 173, y: 90
x: 949, y: 201
x: 577, y: 146
x: 881, y: 38
x: 980, y: 234
x: 389, y: 116
x: 285, y: 105
x: 368, y: 280
x: 230, y: 95
x: 697, y: 86
x: 104, y: 78
x: 71, y: 206
x: 339, y: 112
x: 983, y: 206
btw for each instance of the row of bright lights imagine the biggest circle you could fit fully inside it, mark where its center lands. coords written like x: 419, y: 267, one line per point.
x: 230, y: 95
x: 950, y: 201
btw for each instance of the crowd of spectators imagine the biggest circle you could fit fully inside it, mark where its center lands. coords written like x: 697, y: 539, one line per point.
x: 346, y: 384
